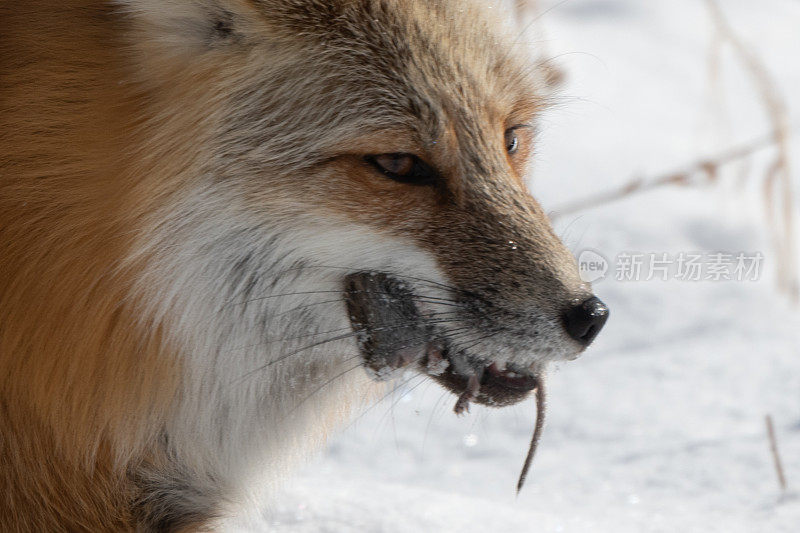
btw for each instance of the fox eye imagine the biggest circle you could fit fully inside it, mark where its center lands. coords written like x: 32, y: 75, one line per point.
x: 404, y: 168
x: 512, y: 140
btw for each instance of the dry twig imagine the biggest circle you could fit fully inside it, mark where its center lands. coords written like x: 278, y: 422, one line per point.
x: 701, y: 171
x: 776, y: 456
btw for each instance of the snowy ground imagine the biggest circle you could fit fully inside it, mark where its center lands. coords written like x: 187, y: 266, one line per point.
x: 660, y: 426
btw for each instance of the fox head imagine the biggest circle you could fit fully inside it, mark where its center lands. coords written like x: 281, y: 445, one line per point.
x: 370, y: 136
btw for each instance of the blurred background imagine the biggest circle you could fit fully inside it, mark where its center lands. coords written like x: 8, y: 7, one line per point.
x: 674, y: 135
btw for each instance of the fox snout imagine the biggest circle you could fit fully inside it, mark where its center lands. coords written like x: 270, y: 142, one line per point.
x: 519, y: 289
x: 511, y: 276
x: 509, y: 299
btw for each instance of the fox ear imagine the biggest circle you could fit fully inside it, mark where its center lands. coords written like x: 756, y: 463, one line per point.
x: 191, y: 25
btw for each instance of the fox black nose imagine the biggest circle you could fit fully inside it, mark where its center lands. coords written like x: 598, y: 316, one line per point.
x: 584, y: 321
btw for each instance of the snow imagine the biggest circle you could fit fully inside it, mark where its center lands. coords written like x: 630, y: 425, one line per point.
x: 660, y: 425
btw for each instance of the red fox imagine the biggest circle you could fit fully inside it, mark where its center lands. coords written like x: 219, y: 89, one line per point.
x: 215, y: 215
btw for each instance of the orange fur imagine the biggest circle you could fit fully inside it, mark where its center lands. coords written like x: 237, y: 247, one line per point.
x: 76, y: 376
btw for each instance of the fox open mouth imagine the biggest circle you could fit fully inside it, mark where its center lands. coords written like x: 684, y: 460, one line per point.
x: 393, y: 333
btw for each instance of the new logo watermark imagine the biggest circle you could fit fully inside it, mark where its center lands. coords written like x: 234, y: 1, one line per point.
x: 592, y: 266
x: 661, y: 266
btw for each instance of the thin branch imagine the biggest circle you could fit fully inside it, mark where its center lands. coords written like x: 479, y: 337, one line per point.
x: 776, y: 456
x: 701, y: 171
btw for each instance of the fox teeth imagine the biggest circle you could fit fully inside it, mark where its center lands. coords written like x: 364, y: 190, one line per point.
x: 471, y: 392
